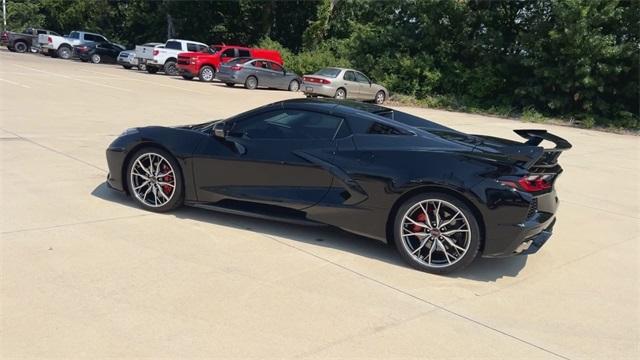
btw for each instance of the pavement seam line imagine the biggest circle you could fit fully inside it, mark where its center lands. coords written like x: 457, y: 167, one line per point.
x: 73, y: 224
x: 53, y: 150
x: 440, y: 307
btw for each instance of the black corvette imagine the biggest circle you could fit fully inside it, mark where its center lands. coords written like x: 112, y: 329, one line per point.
x: 441, y: 196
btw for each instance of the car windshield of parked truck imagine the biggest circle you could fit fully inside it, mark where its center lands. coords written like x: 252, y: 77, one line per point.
x: 74, y: 35
x: 328, y: 72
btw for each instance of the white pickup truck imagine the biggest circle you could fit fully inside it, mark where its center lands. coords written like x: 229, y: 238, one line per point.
x: 165, y: 58
x: 62, y: 46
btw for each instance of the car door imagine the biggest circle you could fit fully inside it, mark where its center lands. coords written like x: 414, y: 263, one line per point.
x: 350, y: 84
x: 276, y: 157
x: 365, y: 86
x: 262, y: 72
x: 279, y: 81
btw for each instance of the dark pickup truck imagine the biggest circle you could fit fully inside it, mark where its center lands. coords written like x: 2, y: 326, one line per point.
x: 24, y: 41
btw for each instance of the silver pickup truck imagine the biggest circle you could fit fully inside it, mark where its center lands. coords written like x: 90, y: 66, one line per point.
x: 62, y: 46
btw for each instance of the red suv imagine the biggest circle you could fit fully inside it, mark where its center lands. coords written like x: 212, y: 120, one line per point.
x: 204, y: 65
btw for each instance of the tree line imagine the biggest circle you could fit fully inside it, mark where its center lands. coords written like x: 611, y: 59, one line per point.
x: 576, y: 59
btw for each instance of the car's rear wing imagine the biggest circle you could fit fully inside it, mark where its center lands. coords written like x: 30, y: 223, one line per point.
x: 549, y: 157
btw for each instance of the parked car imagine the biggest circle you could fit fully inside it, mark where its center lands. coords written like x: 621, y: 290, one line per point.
x: 205, y: 64
x: 165, y: 58
x: 128, y: 59
x: 104, y: 52
x: 253, y: 73
x: 24, y: 41
x: 62, y: 46
x: 342, y: 83
x: 359, y: 167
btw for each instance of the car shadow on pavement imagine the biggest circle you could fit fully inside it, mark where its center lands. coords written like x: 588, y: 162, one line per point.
x: 484, y: 270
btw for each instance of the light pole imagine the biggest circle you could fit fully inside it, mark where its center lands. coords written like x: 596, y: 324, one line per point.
x: 4, y: 15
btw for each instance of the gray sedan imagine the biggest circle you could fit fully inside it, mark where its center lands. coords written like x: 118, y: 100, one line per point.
x: 258, y: 72
x: 343, y: 84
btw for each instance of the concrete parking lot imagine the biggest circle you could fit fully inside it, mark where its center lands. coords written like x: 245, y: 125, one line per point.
x: 86, y: 274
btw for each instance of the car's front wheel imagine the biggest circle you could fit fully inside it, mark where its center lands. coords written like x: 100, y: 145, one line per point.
x: 155, y: 180
x: 436, y: 233
x: 380, y: 97
x: 207, y: 73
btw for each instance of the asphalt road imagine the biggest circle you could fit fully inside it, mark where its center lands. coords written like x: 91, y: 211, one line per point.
x: 86, y: 274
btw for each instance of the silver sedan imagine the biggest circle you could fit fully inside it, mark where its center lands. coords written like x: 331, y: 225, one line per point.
x: 343, y: 83
x: 255, y: 73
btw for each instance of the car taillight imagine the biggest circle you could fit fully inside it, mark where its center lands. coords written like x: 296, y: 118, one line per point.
x: 156, y: 52
x: 236, y: 67
x: 531, y: 183
x: 49, y: 39
x: 316, y: 80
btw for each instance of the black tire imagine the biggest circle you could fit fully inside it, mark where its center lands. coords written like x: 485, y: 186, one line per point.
x: 341, y: 93
x: 152, y: 70
x: 178, y: 196
x: 128, y: 67
x: 21, y: 47
x: 170, y: 68
x: 474, y: 237
x: 142, y: 67
x: 96, y: 59
x: 207, y: 73
x: 380, y: 97
x: 64, y: 52
x: 187, y: 77
x: 251, y: 82
x: 230, y: 84
x: 294, y: 85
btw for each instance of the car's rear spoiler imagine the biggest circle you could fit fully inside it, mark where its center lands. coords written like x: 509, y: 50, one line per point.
x: 549, y: 157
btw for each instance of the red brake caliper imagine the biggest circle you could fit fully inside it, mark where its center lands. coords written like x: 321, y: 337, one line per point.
x: 421, y: 219
x: 167, y: 178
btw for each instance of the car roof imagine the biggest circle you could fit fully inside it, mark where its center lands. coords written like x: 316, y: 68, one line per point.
x: 191, y: 41
x: 332, y: 103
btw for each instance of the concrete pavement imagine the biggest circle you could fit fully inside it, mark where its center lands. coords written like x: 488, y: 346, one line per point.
x: 86, y: 274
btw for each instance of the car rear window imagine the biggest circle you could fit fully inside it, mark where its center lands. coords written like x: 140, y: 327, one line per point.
x: 328, y: 72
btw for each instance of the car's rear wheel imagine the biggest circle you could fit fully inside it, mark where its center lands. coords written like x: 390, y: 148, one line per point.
x: 170, y: 68
x: 340, y: 94
x: 21, y: 46
x: 251, y: 83
x: 96, y: 59
x: 206, y: 74
x: 64, y: 52
x: 436, y: 233
x: 155, y: 180
x: 142, y: 67
x: 294, y: 85
x: 380, y: 97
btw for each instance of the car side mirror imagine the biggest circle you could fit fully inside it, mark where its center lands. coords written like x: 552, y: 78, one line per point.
x: 219, y: 130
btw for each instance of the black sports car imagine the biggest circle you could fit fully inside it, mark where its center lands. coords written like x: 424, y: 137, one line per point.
x: 441, y: 196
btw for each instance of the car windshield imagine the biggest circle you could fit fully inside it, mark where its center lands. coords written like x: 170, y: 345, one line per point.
x: 328, y: 72
x: 238, y: 61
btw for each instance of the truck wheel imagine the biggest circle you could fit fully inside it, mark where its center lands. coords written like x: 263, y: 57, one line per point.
x: 251, y: 83
x: 170, y: 68
x: 142, y: 67
x: 64, y: 52
x: 96, y: 59
x: 187, y: 77
x: 207, y: 73
x: 20, y: 46
x: 152, y: 70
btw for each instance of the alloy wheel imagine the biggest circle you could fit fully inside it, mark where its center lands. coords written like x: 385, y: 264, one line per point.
x: 340, y: 94
x: 380, y: 97
x: 153, y: 180
x: 95, y: 58
x: 20, y: 47
x: 435, y: 233
x: 294, y: 86
x: 207, y: 74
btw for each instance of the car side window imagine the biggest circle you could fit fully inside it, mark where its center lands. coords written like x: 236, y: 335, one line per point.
x: 349, y: 76
x: 192, y: 47
x: 276, y: 67
x: 228, y: 53
x: 175, y: 45
x: 243, y: 53
x: 361, y: 78
x: 373, y: 127
x: 288, y: 124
